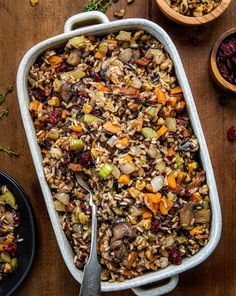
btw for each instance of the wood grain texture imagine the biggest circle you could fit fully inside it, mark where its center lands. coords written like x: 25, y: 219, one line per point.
x: 21, y: 27
x: 193, y: 21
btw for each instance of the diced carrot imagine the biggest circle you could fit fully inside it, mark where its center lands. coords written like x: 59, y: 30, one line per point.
x: 131, y: 258
x: 176, y: 90
x: 143, y: 62
x: 140, y: 185
x: 99, y: 55
x: 150, y: 256
x: 76, y: 128
x: 55, y: 60
x: 162, y: 131
x: 34, y: 105
x: 54, y: 101
x: 171, y: 181
x: 134, y: 107
x: 137, y: 124
x: 161, y: 96
x: 153, y: 207
x: 180, y: 106
x: 196, y: 230
x: 75, y: 167
x: 170, y: 151
x: 44, y: 151
x: 128, y: 157
x: 9, y: 239
x: 124, y: 179
x: 124, y: 142
x: 111, y: 128
x: 93, y: 144
x: 1, y: 247
x: 153, y: 266
x: 95, y: 152
x: 149, y: 188
x: 126, y: 273
x: 172, y: 101
x: 147, y: 214
x: 102, y: 87
x: 64, y: 114
x: 165, y: 205
x: 37, y: 122
x: 153, y: 197
x: 196, y: 197
x: 180, y: 177
x: 134, y: 192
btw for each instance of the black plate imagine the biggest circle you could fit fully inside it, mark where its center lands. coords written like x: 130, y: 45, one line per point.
x: 26, y: 230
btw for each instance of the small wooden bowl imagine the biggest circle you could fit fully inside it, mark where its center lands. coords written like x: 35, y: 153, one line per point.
x: 218, y: 78
x: 191, y: 20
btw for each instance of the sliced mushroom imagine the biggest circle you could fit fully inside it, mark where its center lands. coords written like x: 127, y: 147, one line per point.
x: 74, y: 57
x: 202, y: 216
x: 121, y: 230
x: 119, y: 249
x: 126, y: 55
x: 66, y: 92
x: 9, y: 218
x: 105, y: 274
x: 189, y: 145
x: 187, y: 215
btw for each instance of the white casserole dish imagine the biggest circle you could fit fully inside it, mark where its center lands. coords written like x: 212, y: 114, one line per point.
x: 22, y: 89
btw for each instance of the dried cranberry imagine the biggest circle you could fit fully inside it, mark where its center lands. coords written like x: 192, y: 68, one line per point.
x: 224, y: 100
x: 175, y: 256
x: 55, y: 116
x: 95, y: 76
x: 16, y: 217
x: 64, y: 67
x: 86, y: 159
x: 84, y: 206
x: 67, y: 158
x: 38, y: 93
x: 142, y: 51
x: 155, y: 226
x: 97, y: 112
x: 10, y: 248
x: 231, y: 134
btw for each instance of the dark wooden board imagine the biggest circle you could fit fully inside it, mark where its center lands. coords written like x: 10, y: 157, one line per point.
x: 21, y: 27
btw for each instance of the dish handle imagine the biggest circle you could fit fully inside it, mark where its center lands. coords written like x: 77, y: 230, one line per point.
x: 157, y: 291
x: 85, y: 19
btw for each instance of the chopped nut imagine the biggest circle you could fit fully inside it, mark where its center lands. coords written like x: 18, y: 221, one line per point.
x: 120, y: 13
x: 34, y: 2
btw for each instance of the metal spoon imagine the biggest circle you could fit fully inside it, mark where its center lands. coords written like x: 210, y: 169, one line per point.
x: 91, y: 283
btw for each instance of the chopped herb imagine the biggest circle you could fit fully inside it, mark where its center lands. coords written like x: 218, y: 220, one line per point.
x: 3, y: 112
x: 9, y: 152
x: 6, y: 91
x: 101, y: 5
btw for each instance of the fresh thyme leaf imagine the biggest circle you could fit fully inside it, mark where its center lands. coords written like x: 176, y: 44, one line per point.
x: 5, y: 92
x: 9, y: 152
x: 101, y: 5
x: 3, y: 112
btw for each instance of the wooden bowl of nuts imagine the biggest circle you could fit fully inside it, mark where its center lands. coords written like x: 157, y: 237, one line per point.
x: 193, y: 13
x: 223, y: 61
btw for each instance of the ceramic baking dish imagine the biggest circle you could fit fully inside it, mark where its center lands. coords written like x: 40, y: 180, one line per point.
x: 97, y: 23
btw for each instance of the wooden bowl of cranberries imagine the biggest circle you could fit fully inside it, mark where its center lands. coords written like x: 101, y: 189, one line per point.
x: 223, y: 61
x: 17, y: 235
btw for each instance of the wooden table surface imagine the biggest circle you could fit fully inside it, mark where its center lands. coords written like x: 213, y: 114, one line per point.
x: 21, y: 27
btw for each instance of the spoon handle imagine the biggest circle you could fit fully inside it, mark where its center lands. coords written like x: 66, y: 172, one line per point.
x: 91, y: 284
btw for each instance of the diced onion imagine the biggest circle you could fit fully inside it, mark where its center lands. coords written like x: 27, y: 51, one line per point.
x: 116, y: 172
x: 56, y: 152
x: 59, y: 206
x: 63, y: 197
x: 112, y: 141
x: 157, y: 183
x: 127, y: 168
x: 171, y: 124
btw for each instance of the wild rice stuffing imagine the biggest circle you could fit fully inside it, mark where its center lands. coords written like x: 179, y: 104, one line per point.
x: 193, y: 7
x: 111, y: 107
x: 9, y: 221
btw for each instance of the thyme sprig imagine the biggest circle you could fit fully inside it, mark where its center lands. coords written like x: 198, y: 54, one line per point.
x: 3, y: 112
x: 5, y: 92
x: 100, y: 5
x: 9, y: 151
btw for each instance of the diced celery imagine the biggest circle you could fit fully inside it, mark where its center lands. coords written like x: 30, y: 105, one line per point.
x: 8, y: 198
x: 124, y: 36
x: 5, y: 257
x: 152, y: 112
x: 13, y: 263
x: 89, y: 118
x: 148, y: 132
x: 77, y: 42
x: 105, y: 171
x: 76, y: 145
x: 76, y: 74
x: 178, y: 161
x: 53, y: 134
